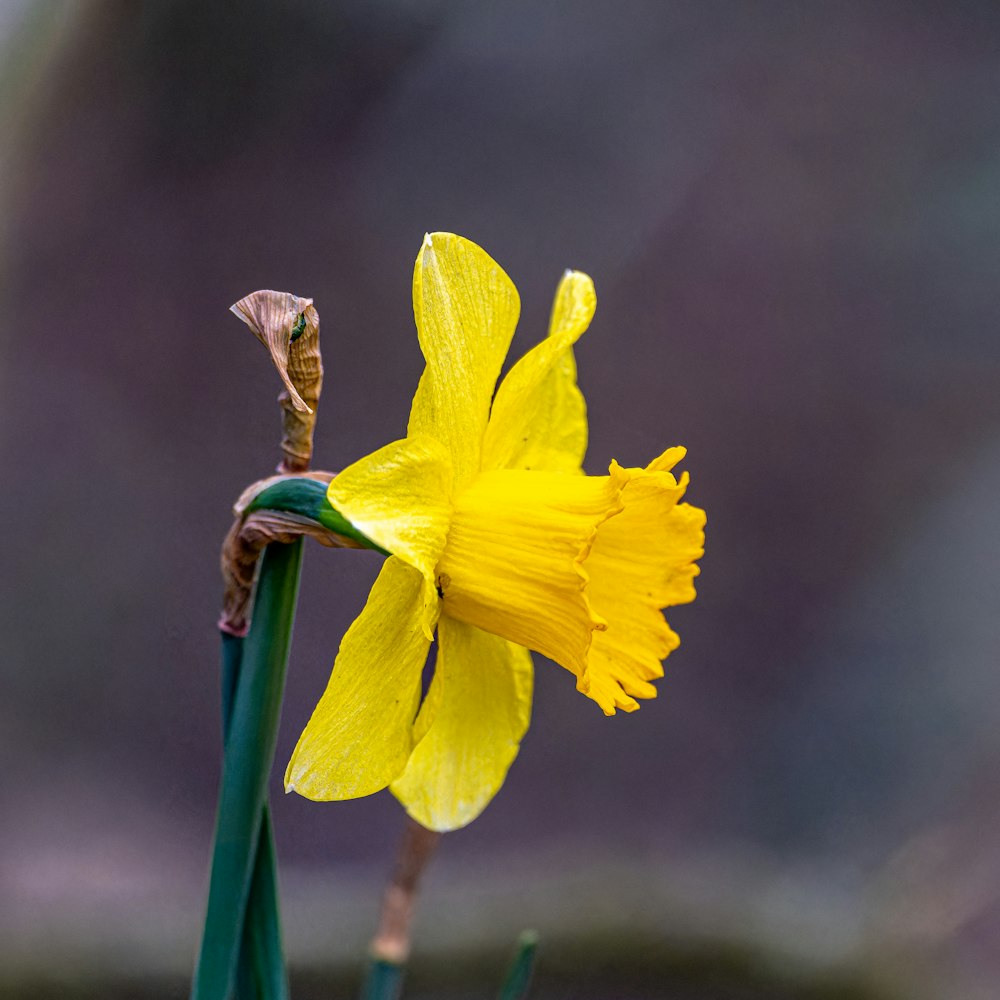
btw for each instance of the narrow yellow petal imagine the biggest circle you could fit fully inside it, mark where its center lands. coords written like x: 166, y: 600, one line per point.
x: 466, y: 309
x: 399, y: 496
x: 641, y: 561
x: 513, y: 564
x: 539, y: 417
x: 361, y: 732
x: 482, y: 691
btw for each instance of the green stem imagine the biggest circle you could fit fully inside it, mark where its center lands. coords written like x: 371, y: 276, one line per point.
x: 260, y: 970
x: 242, y: 859
x: 260, y: 973
x: 232, y: 662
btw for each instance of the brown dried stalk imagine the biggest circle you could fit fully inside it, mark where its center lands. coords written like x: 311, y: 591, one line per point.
x: 392, y: 939
x: 288, y: 326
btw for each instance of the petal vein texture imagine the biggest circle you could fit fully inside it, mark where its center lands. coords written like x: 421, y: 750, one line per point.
x: 539, y: 417
x: 360, y: 735
x: 482, y: 694
x: 466, y: 309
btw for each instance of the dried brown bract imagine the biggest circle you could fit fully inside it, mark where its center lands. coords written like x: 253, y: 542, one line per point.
x: 241, y: 553
x: 288, y: 326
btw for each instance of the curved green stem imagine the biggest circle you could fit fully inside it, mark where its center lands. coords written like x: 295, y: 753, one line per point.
x: 307, y: 498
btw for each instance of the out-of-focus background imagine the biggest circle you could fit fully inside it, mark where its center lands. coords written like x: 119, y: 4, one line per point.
x: 792, y: 215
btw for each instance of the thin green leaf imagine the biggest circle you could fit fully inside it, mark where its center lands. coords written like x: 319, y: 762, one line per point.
x: 518, y: 981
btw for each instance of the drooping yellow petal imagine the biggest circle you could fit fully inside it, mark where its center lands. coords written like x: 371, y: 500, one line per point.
x: 514, y: 561
x: 466, y: 309
x: 482, y: 705
x: 399, y: 496
x: 361, y: 732
x: 641, y: 561
x: 539, y: 417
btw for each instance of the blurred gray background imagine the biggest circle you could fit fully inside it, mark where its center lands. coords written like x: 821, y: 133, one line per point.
x: 792, y: 215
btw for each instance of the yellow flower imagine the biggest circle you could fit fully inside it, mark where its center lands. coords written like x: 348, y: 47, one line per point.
x: 501, y: 544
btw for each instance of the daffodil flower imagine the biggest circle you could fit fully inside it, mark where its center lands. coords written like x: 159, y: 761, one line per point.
x: 502, y: 545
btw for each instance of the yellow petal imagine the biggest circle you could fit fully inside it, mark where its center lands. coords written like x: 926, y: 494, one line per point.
x: 482, y: 696
x: 399, y: 496
x: 539, y: 417
x: 361, y: 733
x: 513, y: 565
x: 466, y: 310
x: 641, y: 561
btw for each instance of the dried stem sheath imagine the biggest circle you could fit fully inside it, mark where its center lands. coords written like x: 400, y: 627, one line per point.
x: 241, y: 551
x: 288, y: 326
